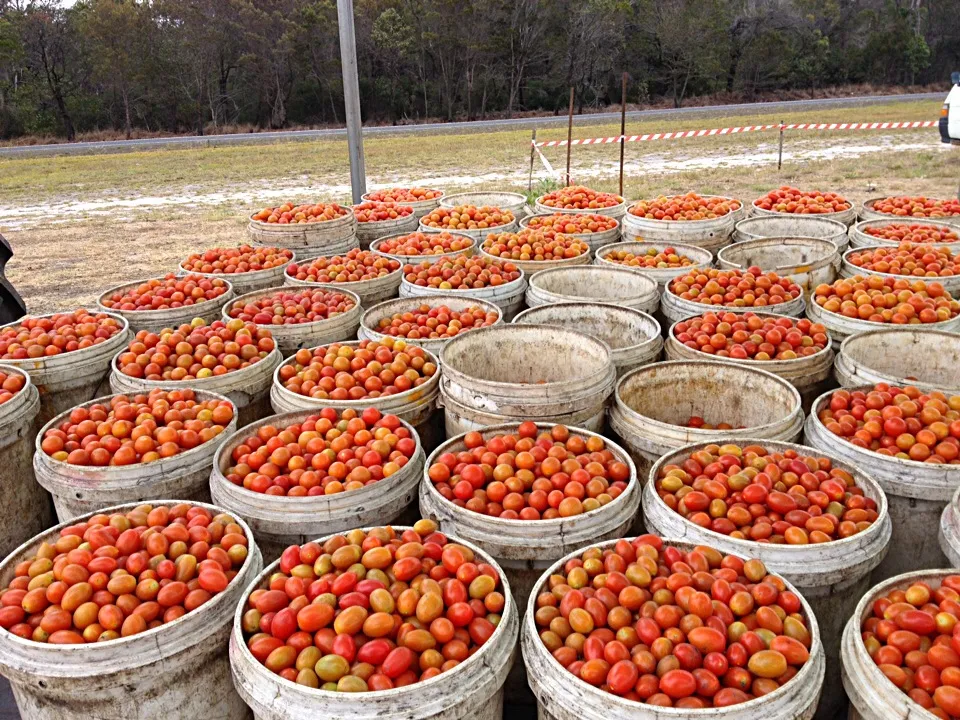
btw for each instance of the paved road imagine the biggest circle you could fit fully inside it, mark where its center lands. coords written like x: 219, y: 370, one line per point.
x: 114, y: 146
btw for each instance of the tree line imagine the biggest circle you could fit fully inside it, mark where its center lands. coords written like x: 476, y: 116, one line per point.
x: 209, y: 65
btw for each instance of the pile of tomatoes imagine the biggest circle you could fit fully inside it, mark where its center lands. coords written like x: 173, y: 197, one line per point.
x: 462, y: 273
x: 288, y: 213
x: 922, y: 207
x: 292, y: 307
x: 36, y: 337
x: 170, y: 291
x: 747, y: 336
x: 354, y: 266
x: 420, y: 243
x: 802, y: 202
x: 232, y: 261
x: 887, y: 300
x: 531, y: 475
x: 528, y: 245
x: 924, y: 261
x: 689, y: 207
x: 571, y: 224
x: 734, y: 288
x: 671, y: 628
x: 467, y: 217
x: 433, y: 323
x: 119, y: 575
x: 579, y: 197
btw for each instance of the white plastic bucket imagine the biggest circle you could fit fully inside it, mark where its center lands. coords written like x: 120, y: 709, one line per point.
x: 949, y: 535
x: 711, y: 234
x: 524, y: 372
x: 831, y: 576
x: 808, y: 262
x: 508, y: 297
x: 809, y: 375
x: 420, y: 207
x: 416, y: 405
x: 291, y: 338
x: 841, y: 327
x: 872, y: 695
x: 562, y: 696
x: 414, y: 259
x: 593, y: 283
x: 68, y: 379
x: 900, y: 356
x: 180, y: 669
x: 860, y: 238
x: 702, y: 259
x: 676, y: 308
x: 81, y: 489
x: 868, y: 213
x: 279, y: 521
x: 247, y: 388
x: 916, y: 493
x: 370, y: 292
x: 847, y: 217
x: 371, y: 318
x: 367, y: 232
x: 472, y: 690
x: 327, y: 237
x: 652, y: 401
x: 951, y: 283
x: 525, y: 548
x: 633, y: 336
x: 594, y: 240
x: 25, y: 510
x: 615, y: 211
x: 245, y: 282
x: 137, y: 320
x: 809, y: 226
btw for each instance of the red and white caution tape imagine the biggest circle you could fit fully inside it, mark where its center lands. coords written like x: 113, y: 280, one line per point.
x: 744, y: 129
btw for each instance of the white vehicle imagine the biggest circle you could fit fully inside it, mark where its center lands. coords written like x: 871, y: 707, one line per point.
x: 950, y: 114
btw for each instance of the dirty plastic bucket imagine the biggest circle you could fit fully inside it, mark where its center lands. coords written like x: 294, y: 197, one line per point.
x: 711, y: 234
x: 951, y: 283
x: 614, y: 211
x: 542, y: 373
x: 81, y: 489
x: 291, y: 338
x: 593, y: 283
x: 847, y: 217
x: 808, y: 262
x: 594, y: 240
x: 327, y: 237
x: 245, y: 282
x: 650, y: 401
x: 153, y: 320
x: 371, y: 318
x: 916, y: 493
x: 416, y: 405
x: 279, y: 521
x: 872, y: 695
x: 900, y: 356
x: 248, y: 388
x: 831, y: 576
x: 841, y: 327
x: 179, y: 669
x: 702, y: 259
x: 809, y: 375
x: 472, y: 690
x: 867, y: 212
x: 508, y: 297
x: 420, y: 207
x: 676, y: 308
x: 414, y: 259
x: 25, y: 510
x: 367, y: 232
x: 633, y: 336
x: 860, y: 238
x: 68, y: 379
x: 525, y: 548
x: 370, y: 292
x: 807, y: 226
x: 949, y: 535
x: 563, y: 696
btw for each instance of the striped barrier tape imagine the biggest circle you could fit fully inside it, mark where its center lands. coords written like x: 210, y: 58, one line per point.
x: 744, y: 129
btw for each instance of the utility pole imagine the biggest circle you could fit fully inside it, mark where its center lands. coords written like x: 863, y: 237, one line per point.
x: 351, y: 98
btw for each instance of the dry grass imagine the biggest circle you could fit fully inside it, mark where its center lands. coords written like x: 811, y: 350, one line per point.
x: 70, y: 258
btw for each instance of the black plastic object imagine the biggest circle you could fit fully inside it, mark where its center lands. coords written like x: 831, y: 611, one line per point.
x: 12, y: 306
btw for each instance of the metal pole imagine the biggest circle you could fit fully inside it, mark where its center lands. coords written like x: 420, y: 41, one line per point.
x: 569, y: 135
x: 351, y: 98
x: 780, y: 148
x: 533, y: 151
x: 623, y: 127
